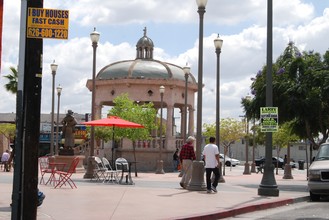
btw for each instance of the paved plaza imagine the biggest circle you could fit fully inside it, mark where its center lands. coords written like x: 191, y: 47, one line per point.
x: 158, y: 196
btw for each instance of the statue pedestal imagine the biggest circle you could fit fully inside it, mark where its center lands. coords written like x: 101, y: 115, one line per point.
x: 66, y: 152
x: 68, y: 160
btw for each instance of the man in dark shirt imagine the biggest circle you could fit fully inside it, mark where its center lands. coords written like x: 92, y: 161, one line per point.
x: 186, y: 158
x: 175, y: 158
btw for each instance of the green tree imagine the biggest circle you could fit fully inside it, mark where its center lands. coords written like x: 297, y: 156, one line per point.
x: 257, y: 137
x: 127, y: 109
x: 11, y: 86
x: 283, y: 137
x: 144, y: 114
x: 8, y: 130
x: 103, y: 134
x: 300, y: 91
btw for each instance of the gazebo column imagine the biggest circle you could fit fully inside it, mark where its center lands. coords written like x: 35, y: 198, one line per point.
x: 183, y: 123
x: 169, y: 145
x: 191, y: 121
x: 98, y: 111
x: 154, y: 131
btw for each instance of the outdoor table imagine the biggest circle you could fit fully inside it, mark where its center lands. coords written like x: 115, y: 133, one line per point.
x: 129, y: 180
x: 55, y: 166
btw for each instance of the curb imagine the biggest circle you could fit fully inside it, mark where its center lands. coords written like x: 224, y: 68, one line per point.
x: 244, y: 209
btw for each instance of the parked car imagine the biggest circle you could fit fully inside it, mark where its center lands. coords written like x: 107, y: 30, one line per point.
x: 228, y: 160
x: 318, y: 174
x: 277, y: 161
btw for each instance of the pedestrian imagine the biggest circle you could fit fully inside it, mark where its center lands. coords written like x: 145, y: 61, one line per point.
x: 186, y: 157
x: 175, y: 160
x: 4, y: 160
x: 285, y: 160
x: 211, y: 157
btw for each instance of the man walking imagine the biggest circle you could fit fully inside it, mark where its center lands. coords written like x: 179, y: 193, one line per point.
x: 186, y: 157
x: 211, y: 158
x: 4, y: 160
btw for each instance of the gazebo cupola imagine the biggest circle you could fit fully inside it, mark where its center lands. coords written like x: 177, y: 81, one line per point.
x: 144, y: 47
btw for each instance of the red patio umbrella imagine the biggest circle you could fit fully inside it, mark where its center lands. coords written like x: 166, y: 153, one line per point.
x: 113, y: 121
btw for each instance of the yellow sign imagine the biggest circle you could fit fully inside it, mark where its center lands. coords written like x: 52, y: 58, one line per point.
x: 47, y: 23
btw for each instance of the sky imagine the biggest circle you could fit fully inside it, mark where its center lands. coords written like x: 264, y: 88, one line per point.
x: 174, y: 28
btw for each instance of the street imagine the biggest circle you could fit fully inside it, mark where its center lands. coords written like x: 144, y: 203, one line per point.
x: 301, y: 210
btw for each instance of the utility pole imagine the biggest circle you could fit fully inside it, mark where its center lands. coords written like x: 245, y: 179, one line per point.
x: 25, y: 185
x: 31, y: 106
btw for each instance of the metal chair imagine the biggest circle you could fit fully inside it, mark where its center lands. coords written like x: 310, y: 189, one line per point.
x: 65, y: 176
x: 121, y: 165
x: 99, y: 171
x: 44, y: 168
x: 110, y: 174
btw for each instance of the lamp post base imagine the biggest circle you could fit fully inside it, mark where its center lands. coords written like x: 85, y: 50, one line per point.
x: 246, y: 169
x: 253, y: 168
x: 197, y: 181
x: 268, y: 191
x: 90, y: 168
x: 159, y: 167
x: 268, y: 185
x: 221, y: 177
x: 287, y: 172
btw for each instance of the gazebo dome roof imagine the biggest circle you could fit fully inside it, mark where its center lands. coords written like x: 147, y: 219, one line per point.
x: 143, y: 67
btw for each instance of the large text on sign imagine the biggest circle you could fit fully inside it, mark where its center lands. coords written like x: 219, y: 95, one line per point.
x: 47, y: 23
x: 269, y: 119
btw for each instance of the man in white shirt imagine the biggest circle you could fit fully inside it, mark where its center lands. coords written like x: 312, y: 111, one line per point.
x: 211, y: 158
x: 4, y: 159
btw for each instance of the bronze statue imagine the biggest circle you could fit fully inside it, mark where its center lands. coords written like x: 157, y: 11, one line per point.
x: 69, y: 123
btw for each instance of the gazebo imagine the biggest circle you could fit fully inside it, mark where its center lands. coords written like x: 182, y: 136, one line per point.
x: 140, y: 79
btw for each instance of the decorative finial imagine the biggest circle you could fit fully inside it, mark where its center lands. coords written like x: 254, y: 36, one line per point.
x: 144, y: 31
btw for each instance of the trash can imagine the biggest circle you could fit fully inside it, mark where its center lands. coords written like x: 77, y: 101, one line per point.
x: 301, y: 164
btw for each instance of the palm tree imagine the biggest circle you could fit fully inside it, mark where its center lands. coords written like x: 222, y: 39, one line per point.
x: 11, y: 86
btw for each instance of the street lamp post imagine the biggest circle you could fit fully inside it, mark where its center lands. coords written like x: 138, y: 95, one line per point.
x: 160, y: 161
x: 187, y: 73
x: 59, y: 91
x: 218, y: 46
x: 53, y: 67
x: 253, y: 165
x: 268, y: 186
x: 197, y: 180
x: 246, y: 165
x: 94, y: 36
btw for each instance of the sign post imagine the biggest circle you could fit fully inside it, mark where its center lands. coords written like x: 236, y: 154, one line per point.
x: 36, y: 23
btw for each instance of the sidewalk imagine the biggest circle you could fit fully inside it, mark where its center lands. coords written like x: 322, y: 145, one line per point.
x: 158, y: 196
